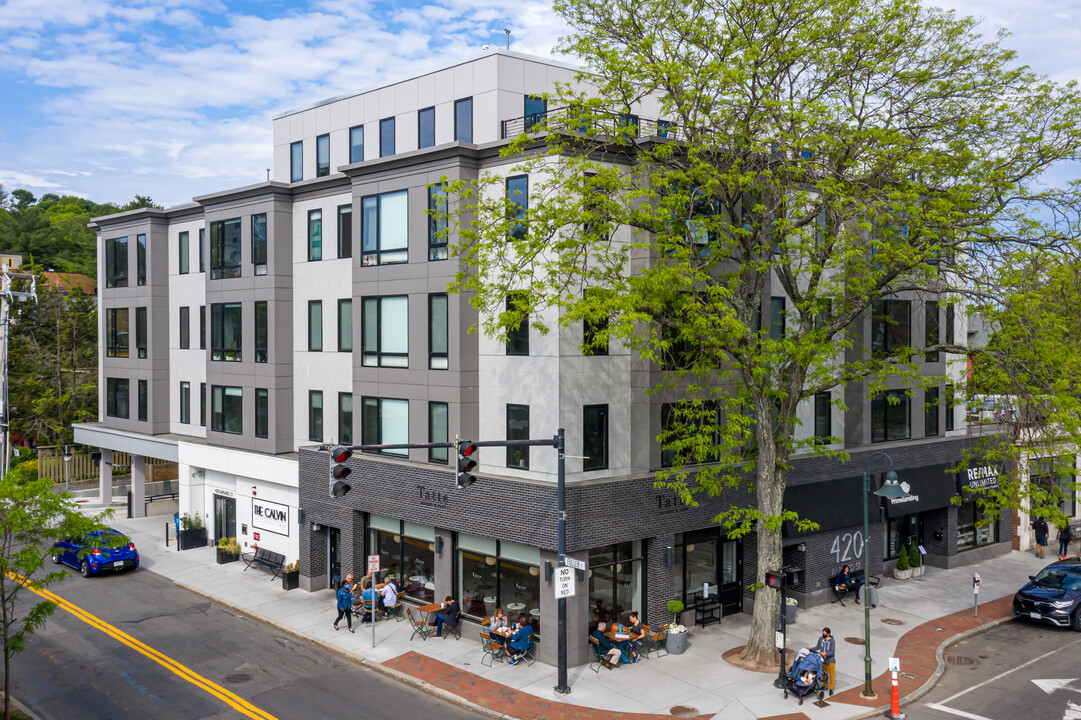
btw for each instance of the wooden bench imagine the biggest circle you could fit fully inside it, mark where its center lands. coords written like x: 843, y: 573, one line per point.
x: 840, y: 593
x: 272, y: 561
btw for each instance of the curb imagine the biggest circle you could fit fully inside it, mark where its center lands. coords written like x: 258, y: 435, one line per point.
x: 345, y: 654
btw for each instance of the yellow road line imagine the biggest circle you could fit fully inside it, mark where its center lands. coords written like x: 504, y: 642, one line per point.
x: 235, y: 701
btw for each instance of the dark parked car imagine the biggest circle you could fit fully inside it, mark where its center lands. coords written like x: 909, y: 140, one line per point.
x: 108, y: 550
x: 1053, y: 596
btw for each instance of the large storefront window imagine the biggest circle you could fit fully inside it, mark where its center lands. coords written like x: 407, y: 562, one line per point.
x: 495, y: 574
x: 1056, y: 480
x: 615, y: 580
x: 972, y: 529
x: 406, y: 553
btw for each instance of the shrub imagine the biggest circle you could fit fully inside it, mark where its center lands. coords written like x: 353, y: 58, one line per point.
x: 902, y: 561
x: 915, y: 558
x: 675, y: 606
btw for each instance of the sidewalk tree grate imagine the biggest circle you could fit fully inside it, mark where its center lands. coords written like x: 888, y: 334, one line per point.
x: 683, y: 711
x: 893, y: 621
x: 236, y: 678
x: 961, y: 660
x: 854, y: 640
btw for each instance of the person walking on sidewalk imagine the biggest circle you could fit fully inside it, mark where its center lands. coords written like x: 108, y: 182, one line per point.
x: 1042, y: 531
x: 1064, y: 541
x: 827, y: 648
x: 345, y: 606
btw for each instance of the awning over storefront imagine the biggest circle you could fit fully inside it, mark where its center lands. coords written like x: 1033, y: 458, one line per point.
x: 929, y: 488
x: 834, y: 504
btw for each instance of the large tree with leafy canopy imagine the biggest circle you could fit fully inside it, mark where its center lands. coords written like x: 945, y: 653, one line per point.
x: 833, y: 151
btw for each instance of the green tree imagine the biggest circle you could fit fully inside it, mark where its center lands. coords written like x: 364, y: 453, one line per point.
x: 834, y: 152
x: 32, y: 517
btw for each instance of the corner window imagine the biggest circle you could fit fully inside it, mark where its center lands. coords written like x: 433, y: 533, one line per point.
x: 185, y: 328
x: 296, y: 162
x: 117, y: 332
x: 438, y: 431
x: 426, y: 127
x: 517, y: 338
x: 345, y: 325
x: 463, y: 120
x: 116, y: 262
x: 322, y: 156
x: 315, y: 235
x: 262, y: 413
x: 258, y: 243
x: 437, y: 222
x: 183, y: 254
x: 226, y: 332
x: 518, y: 429
x: 823, y: 417
x: 438, y: 357
x: 385, y: 422
x: 356, y: 144
x: 891, y: 416
x: 140, y: 332
x: 384, y: 328
x: 143, y: 401
x: 225, y: 249
x: 315, y: 415
x: 315, y: 325
x: 140, y: 259
x: 262, y: 343
x: 517, y: 206
x: 930, y: 412
x: 345, y: 418
x: 595, y: 437
x: 890, y: 326
x: 345, y: 231
x: 536, y: 111
x: 227, y: 409
x: 117, y: 398
x: 185, y: 403
x: 386, y: 137
x: 384, y: 228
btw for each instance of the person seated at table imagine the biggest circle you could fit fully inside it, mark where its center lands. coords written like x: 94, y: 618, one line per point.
x: 389, y: 593
x: 636, y: 630
x: 613, y: 653
x: 367, y: 597
x: 521, y: 641
x: 498, y: 622
x: 847, y: 581
x: 448, y: 616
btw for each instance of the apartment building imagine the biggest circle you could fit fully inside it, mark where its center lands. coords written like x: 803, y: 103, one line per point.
x: 270, y: 320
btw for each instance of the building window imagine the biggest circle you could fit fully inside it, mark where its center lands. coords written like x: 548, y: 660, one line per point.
x: 407, y: 551
x: 345, y: 231
x: 930, y: 412
x: 262, y: 413
x: 258, y: 243
x: 143, y: 401
x: 890, y: 326
x: 322, y: 156
x: 315, y: 235
x: 185, y: 328
x: 116, y: 262
x: 595, y: 437
x: 296, y: 162
x: 226, y: 332
x: 438, y: 333
x: 384, y: 329
x: 183, y: 254
x: 185, y: 403
x: 975, y: 526
x: 202, y: 327
x: 386, y: 137
x: 202, y: 404
x: 384, y: 228
x: 345, y: 418
x: 116, y: 332
x: 227, y: 409
x: 595, y: 328
x: 617, y: 582
x: 950, y: 404
x: 496, y: 573
x: 426, y: 127
x: 356, y: 144
x: 823, y: 417
x: 949, y: 324
x: 1044, y: 474
x: 629, y: 124
x: 116, y: 398
x: 385, y: 422
x: 262, y: 344
x: 202, y: 249
x: 140, y: 259
x: 891, y: 416
x: 463, y: 120
x: 225, y: 249
x: 315, y: 325
x: 518, y: 429
x: 931, y: 336
x: 345, y: 325
x: 776, y: 318
x: 517, y: 205
x: 517, y: 338
x: 684, y: 426
x: 536, y: 111
x: 438, y: 431
x: 315, y: 415
x: 437, y: 222
x: 140, y: 332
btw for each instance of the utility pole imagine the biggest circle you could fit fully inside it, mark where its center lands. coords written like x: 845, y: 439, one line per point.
x: 7, y: 294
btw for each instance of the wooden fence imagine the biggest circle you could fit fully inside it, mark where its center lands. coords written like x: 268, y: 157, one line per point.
x: 81, y: 468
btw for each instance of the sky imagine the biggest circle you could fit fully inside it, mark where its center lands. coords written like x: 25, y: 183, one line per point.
x: 174, y: 98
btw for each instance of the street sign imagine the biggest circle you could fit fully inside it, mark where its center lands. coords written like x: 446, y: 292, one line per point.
x: 895, y: 664
x: 568, y: 561
x: 564, y: 582
x: 779, y: 640
x: 373, y: 564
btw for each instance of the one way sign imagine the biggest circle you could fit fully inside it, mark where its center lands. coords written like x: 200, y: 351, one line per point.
x: 564, y: 582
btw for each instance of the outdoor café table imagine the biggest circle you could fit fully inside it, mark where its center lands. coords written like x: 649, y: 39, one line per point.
x: 505, y: 633
x: 429, y: 611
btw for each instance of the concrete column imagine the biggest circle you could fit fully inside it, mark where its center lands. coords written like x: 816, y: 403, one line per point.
x: 105, y: 478
x: 444, y: 566
x: 138, y: 486
x: 578, y: 650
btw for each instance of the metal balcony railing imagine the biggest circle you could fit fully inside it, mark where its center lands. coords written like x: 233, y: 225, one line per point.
x: 603, y: 123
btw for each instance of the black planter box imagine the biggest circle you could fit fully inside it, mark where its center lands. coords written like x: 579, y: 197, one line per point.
x: 290, y: 580
x: 188, y: 539
x: 226, y: 557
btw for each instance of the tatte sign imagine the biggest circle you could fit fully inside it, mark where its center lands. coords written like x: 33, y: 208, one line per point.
x: 564, y: 582
x: 270, y: 516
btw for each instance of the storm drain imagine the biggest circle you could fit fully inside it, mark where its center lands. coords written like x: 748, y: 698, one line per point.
x: 683, y: 711
x: 236, y: 678
x: 893, y: 621
x: 961, y: 660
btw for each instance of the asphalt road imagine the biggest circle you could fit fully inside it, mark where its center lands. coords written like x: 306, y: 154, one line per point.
x: 71, y: 669
x: 1021, y: 670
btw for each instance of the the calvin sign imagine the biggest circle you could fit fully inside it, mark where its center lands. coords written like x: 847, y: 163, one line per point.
x: 270, y: 516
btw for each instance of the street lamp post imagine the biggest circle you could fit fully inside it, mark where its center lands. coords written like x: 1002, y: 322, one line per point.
x: 890, y: 489
x: 67, y: 461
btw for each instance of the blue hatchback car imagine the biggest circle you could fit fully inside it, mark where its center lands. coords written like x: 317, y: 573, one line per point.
x: 108, y: 550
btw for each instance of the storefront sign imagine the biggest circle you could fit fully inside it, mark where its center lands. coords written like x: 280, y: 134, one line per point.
x: 929, y: 488
x: 223, y: 493
x: 270, y: 516
x: 564, y: 582
x: 431, y: 498
x: 668, y: 504
x: 980, y: 478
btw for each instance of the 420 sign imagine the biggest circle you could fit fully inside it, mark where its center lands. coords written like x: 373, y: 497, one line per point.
x: 847, y: 547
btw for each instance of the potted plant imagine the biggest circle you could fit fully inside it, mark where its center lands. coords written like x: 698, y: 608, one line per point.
x: 676, y: 641
x: 676, y: 608
x: 192, y: 532
x: 291, y: 576
x: 790, y: 610
x: 915, y: 560
x: 228, y: 550
x: 902, y: 571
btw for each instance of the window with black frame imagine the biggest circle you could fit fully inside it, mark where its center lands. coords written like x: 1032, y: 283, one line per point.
x: 976, y: 526
x: 437, y: 222
x: 116, y: 262
x: 518, y: 429
x: 891, y: 416
x: 497, y: 574
x: 226, y: 332
x: 384, y: 331
x: 345, y: 418
x: 140, y: 332
x: 227, y: 409
x: 259, y: 243
x: 225, y: 249
x: 536, y: 111
x: 616, y: 581
x: 384, y: 228
x: 517, y: 206
x: 891, y: 326
x: 117, y: 332
x: 1055, y: 478
x: 140, y: 259
x: 406, y: 553
x: 143, y: 400
x: 595, y: 437
x: 687, y: 421
x: 322, y: 156
x: 117, y: 397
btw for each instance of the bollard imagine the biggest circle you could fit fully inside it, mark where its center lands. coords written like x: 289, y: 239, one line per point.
x: 975, y: 594
x: 895, y: 699
x: 166, y: 534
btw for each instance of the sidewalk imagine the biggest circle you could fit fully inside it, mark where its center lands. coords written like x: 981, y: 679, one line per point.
x: 913, y: 619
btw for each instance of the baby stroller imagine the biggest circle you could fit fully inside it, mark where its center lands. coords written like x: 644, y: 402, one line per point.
x: 807, y: 676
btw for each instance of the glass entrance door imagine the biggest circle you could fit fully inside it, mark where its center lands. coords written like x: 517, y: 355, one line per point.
x: 709, y: 561
x: 224, y: 517
x: 334, y: 556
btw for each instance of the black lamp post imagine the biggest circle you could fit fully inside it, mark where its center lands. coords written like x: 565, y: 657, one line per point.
x: 890, y: 489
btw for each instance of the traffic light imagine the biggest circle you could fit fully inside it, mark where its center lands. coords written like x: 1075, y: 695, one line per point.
x: 467, y: 462
x: 339, y: 470
x: 775, y: 580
